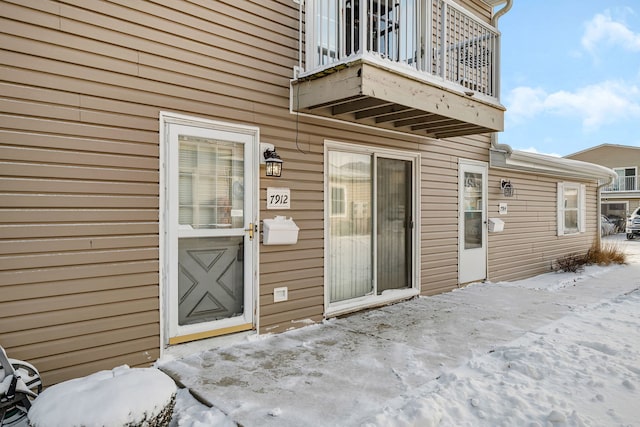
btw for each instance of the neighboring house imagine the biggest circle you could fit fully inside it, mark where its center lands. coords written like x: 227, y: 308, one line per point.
x: 621, y: 197
x: 133, y: 195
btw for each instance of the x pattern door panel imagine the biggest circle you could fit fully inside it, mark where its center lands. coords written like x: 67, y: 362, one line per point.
x: 210, y: 282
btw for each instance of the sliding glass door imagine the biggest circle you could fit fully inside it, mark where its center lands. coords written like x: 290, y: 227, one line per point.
x: 370, y: 224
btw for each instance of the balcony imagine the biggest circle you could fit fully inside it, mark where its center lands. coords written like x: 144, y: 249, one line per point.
x: 623, y: 183
x: 427, y: 67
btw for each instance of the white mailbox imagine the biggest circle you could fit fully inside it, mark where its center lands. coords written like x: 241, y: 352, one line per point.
x: 496, y: 225
x: 279, y: 231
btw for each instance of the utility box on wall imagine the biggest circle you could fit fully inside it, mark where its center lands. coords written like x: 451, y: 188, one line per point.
x: 496, y: 225
x: 279, y: 231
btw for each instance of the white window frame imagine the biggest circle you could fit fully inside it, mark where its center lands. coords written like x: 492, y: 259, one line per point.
x: 359, y: 303
x: 581, y: 208
x: 624, y: 171
x: 342, y: 214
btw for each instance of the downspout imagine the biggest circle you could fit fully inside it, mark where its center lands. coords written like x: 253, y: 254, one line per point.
x: 498, y: 14
x: 494, y: 21
x: 598, y: 208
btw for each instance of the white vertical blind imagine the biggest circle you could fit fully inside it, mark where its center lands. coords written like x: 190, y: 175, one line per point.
x: 350, y: 238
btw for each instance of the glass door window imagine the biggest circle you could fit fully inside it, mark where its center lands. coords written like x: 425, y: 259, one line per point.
x: 473, y: 208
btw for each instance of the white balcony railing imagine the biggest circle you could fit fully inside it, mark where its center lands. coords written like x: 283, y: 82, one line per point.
x: 623, y: 183
x: 436, y: 38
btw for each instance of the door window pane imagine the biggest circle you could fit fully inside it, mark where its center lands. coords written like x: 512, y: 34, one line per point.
x: 473, y: 205
x: 393, y: 226
x: 350, y: 238
x: 211, y: 183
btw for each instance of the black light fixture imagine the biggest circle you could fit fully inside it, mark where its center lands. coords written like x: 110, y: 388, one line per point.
x: 273, y: 163
x: 507, y: 188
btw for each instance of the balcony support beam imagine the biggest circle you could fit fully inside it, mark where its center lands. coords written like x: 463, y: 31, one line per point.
x: 381, y: 113
x: 357, y: 106
x: 412, y: 113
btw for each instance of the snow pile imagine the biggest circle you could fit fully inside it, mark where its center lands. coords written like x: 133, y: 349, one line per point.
x: 191, y: 413
x: 119, y: 397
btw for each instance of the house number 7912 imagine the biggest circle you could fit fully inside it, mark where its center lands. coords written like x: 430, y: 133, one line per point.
x: 278, y: 198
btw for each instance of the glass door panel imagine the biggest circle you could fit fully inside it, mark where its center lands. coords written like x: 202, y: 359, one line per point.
x: 209, y: 172
x: 393, y: 224
x: 473, y: 208
x: 350, y: 232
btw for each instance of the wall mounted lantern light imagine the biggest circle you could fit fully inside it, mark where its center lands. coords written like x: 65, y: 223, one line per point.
x: 271, y: 159
x: 507, y: 188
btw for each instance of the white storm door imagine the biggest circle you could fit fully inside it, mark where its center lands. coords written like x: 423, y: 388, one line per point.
x: 210, y: 222
x: 472, y: 215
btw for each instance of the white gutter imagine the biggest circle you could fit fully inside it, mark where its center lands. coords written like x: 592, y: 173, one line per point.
x: 557, y: 166
x: 599, y: 216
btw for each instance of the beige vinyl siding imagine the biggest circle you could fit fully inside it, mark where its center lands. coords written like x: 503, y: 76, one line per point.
x: 611, y: 156
x: 529, y: 244
x: 82, y: 84
x: 478, y: 8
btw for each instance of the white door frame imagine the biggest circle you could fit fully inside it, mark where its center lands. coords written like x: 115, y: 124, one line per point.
x: 170, y: 331
x: 472, y: 263
x: 337, y: 308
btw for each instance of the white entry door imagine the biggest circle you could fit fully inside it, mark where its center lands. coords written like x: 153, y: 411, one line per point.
x: 210, y: 248
x: 472, y: 240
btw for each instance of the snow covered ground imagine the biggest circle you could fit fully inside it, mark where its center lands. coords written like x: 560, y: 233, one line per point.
x: 560, y: 349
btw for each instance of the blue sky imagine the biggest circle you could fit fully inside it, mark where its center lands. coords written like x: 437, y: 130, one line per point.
x: 570, y: 74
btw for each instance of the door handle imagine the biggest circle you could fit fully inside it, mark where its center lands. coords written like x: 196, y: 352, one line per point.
x: 252, y: 228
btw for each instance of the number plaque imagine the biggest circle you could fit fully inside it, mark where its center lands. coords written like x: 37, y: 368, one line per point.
x: 278, y: 198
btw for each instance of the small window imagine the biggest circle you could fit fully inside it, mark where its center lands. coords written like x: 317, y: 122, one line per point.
x: 338, y: 201
x: 571, y: 208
